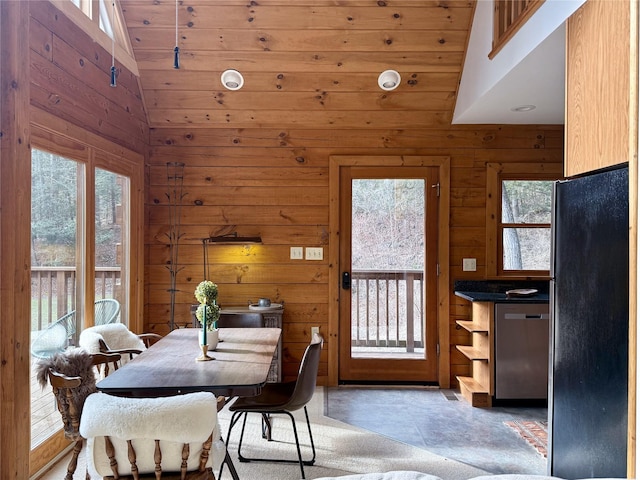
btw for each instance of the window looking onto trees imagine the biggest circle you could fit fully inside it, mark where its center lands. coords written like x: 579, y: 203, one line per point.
x: 526, y: 224
x: 519, y: 197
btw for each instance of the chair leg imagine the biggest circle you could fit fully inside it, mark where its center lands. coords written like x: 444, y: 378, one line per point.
x: 266, y: 426
x: 232, y: 468
x: 313, y: 447
x: 227, y: 458
x: 73, y: 463
x: 299, y: 461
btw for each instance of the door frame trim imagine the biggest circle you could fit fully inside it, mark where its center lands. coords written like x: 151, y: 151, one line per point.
x: 443, y: 163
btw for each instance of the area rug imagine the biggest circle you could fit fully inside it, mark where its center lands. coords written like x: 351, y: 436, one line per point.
x: 341, y: 449
x: 533, y: 432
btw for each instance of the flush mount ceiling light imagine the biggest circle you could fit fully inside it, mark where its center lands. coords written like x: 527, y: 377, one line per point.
x: 523, y: 108
x: 389, y: 80
x: 232, y: 79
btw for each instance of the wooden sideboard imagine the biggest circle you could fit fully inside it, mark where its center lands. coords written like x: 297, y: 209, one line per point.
x: 272, y: 318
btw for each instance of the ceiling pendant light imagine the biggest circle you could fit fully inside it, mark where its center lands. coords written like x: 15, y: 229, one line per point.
x: 232, y: 79
x: 176, y: 50
x: 389, y: 80
x: 113, y: 46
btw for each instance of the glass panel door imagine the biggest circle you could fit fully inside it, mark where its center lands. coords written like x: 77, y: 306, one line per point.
x: 388, y: 263
x: 111, y: 233
x: 55, y: 243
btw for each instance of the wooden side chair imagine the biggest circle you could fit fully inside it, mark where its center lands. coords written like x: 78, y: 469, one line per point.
x: 174, y: 437
x: 116, y: 338
x: 72, y: 378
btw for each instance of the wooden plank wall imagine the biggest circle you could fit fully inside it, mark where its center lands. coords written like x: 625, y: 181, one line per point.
x: 274, y: 183
x: 69, y: 75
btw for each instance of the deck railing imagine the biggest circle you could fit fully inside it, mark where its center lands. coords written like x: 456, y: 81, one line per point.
x: 53, y: 291
x: 387, y: 309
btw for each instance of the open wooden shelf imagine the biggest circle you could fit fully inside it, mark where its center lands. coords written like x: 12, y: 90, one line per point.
x: 474, y: 392
x: 478, y: 388
x: 473, y: 353
x: 473, y: 327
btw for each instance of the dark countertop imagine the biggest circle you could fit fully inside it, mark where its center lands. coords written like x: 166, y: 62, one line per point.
x: 495, y: 291
x: 502, y: 297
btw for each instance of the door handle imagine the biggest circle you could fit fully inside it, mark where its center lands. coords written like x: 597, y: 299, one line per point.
x: 346, y: 280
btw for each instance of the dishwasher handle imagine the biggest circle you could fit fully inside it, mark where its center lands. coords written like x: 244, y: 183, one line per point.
x: 526, y: 316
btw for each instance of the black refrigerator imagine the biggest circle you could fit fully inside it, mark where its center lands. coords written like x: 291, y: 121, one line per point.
x: 589, y: 326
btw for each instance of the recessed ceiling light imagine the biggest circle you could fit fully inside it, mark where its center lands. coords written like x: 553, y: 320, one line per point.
x: 523, y: 108
x: 232, y: 79
x: 389, y: 80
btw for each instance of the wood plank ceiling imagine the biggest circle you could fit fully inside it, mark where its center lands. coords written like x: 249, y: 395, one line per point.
x: 307, y: 64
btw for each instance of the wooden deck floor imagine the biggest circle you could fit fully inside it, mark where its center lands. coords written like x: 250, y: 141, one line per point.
x: 45, y: 419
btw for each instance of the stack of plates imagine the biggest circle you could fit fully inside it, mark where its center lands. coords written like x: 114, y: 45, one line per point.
x: 521, y: 292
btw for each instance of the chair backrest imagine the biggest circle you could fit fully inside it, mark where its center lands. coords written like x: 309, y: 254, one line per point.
x: 161, y: 435
x: 106, y: 311
x: 114, y: 337
x: 241, y: 320
x: 55, y: 338
x: 307, y: 375
x: 73, y: 378
x: 233, y: 320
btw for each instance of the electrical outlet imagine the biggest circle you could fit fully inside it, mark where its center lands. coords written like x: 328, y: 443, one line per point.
x: 314, y: 331
x: 313, y: 253
x: 468, y: 264
x: 295, y: 253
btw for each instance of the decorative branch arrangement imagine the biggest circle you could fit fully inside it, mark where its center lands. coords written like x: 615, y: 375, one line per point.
x: 175, y: 178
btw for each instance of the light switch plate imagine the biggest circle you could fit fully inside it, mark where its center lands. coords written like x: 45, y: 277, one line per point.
x: 468, y: 264
x: 296, y: 253
x: 313, y: 253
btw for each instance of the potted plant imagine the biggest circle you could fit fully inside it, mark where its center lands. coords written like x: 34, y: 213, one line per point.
x: 208, y: 312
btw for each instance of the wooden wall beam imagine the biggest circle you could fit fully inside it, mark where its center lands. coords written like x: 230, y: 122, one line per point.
x: 15, y: 232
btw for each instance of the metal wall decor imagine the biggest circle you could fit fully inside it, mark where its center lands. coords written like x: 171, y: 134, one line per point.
x: 175, y: 178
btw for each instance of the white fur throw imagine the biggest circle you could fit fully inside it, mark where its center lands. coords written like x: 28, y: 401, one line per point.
x: 182, y: 418
x: 116, y: 335
x: 189, y: 418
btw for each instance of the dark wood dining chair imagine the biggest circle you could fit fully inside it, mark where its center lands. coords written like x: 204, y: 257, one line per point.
x: 241, y: 320
x: 282, y: 398
x: 72, y: 377
x: 233, y: 320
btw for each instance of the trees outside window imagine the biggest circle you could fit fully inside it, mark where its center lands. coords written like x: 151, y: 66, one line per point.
x: 518, y: 212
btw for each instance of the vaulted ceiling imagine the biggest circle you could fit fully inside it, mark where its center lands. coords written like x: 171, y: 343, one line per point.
x: 308, y: 64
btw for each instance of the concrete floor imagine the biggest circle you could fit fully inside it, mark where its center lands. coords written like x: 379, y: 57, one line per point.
x: 442, y: 422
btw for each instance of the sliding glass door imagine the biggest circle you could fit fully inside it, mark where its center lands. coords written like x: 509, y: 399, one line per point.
x: 80, y: 266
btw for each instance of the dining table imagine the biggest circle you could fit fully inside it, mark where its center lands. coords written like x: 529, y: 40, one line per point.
x: 239, y: 366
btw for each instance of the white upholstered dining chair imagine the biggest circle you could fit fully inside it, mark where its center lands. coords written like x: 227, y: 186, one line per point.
x: 165, y: 437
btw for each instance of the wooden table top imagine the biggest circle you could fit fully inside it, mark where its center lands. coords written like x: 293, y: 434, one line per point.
x: 240, y: 366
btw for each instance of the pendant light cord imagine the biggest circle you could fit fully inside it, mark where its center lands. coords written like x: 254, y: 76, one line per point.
x: 113, y: 45
x: 176, y: 50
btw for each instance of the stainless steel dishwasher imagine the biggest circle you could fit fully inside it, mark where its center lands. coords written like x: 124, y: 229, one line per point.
x: 521, y: 350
